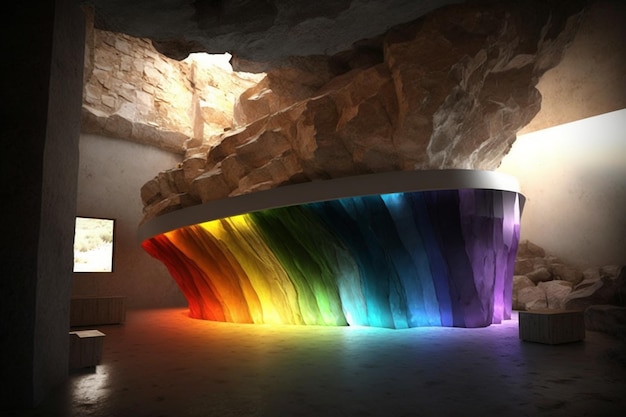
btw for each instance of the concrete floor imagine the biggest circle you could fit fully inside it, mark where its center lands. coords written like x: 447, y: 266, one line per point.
x: 163, y: 363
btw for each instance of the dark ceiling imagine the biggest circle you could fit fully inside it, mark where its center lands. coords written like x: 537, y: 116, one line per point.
x: 264, y: 31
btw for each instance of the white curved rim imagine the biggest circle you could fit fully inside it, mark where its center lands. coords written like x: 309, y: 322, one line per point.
x: 325, y: 190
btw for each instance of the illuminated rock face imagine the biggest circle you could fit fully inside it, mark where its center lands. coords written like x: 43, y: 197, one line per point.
x: 428, y: 258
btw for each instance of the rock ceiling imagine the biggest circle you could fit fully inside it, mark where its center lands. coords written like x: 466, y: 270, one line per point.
x: 447, y: 90
x: 262, y: 31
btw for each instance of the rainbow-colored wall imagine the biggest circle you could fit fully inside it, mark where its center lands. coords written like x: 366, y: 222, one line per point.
x: 427, y: 258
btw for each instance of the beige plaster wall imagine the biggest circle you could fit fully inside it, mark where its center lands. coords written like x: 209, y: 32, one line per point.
x: 111, y: 172
x: 574, y: 178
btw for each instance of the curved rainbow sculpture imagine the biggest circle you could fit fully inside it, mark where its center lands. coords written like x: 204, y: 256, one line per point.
x: 396, y: 250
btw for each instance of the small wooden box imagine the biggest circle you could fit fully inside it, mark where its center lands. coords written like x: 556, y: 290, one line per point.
x: 552, y: 326
x: 85, y: 348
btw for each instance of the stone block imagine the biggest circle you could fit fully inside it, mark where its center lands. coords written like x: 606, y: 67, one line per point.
x: 151, y: 192
x: 556, y: 292
x: 552, y: 326
x: 193, y: 166
x: 566, y: 273
x: 532, y: 298
x: 210, y: 186
x: 519, y: 283
x: 539, y: 275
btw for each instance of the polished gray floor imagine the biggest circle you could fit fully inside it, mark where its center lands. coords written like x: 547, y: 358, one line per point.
x: 163, y: 363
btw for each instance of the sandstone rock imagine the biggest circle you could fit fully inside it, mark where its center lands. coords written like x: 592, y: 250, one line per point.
x: 527, y: 249
x: 193, y: 166
x: 209, y: 186
x: 540, y: 262
x: 539, y: 275
x: 595, y: 293
x: 611, y: 271
x: 606, y: 290
x: 171, y: 203
x: 590, y: 275
x: 151, y: 192
x: 281, y: 88
x: 586, y: 282
x: 564, y: 286
x: 261, y: 149
x: 177, y: 178
x: 152, y: 99
x: 257, y: 180
x: 520, y: 282
x: 556, y: 292
x: 164, y: 206
x: 172, y: 182
x: 549, y: 259
x: 233, y: 170
x: 285, y: 168
x: 216, y: 110
x: 258, y: 186
x: 532, y: 298
x: 566, y: 273
x: 523, y: 265
x: 166, y: 185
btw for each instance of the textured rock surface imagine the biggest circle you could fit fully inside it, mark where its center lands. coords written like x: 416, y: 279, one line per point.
x: 520, y: 282
x: 606, y: 290
x: 447, y: 91
x: 556, y: 292
x: 133, y: 92
x: 257, y: 31
x: 532, y: 298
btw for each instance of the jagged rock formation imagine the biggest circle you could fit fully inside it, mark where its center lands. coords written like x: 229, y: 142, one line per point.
x: 449, y: 90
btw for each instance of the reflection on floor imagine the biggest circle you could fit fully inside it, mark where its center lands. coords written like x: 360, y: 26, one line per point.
x: 162, y: 363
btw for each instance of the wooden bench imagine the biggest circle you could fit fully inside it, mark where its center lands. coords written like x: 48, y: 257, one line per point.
x: 552, y: 326
x: 92, y: 311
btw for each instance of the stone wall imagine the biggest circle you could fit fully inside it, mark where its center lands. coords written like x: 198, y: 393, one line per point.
x: 133, y: 92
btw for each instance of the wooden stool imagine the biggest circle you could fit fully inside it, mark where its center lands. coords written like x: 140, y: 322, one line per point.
x: 552, y: 326
x: 85, y: 348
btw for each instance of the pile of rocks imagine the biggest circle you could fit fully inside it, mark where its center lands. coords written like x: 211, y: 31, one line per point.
x: 542, y: 281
